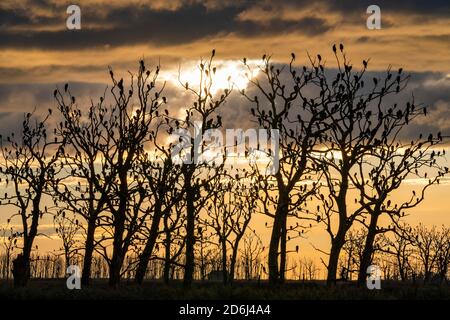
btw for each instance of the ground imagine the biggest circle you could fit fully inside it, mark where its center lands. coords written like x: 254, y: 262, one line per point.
x: 156, y: 290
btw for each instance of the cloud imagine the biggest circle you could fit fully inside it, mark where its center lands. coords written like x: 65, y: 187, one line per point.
x: 118, y: 26
x: 429, y: 88
x: 38, y: 52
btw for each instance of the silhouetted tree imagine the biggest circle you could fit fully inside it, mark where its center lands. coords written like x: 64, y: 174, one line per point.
x: 197, y: 172
x: 162, y: 179
x: 442, y: 247
x: 9, y: 243
x: 67, y: 229
x: 173, y: 239
x: 87, y: 198
x: 28, y: 165
x: 423, y: 240
x: 228, y: 215
x: 399, y: 245
x: 281, y: 104
x: 251, y: 256
x: 353, y: 249
x: 361, y: 121
x: 115, y: 137
x: 384, y: 169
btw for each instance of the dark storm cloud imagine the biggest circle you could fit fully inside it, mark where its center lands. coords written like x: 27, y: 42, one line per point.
x: 23, y: 74
x: 10, y: 122
x: 14, y: 17
x: 25, y: 97
x: 420, y: 7
x: 308, y: 25
x: 26, y: 15
x: 136, y: 24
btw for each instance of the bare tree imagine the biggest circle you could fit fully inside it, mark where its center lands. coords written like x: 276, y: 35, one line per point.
x: 388, y: 167
x: 86, y: 196
x: 442, y: 248
x: 115, y: 137
x: 281, y: 104
x: 128, y: 127
x: 197, y: 174
x: 360, y: 121
x: 399, y: 245
x: 162, y: 179
x: 67, y: 229
x: 251, y: 256
x: 307, y: 269
x: 28, y: 165
x: 174, y: 240
x: 353, y: 249
x: 423, y: 240
x: 9, y: 243
x: 228, y: 215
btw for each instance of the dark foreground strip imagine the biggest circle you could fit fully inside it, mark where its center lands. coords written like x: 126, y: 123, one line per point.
x: 197, y: 309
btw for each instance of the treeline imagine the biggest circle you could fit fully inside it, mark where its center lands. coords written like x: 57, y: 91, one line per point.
x: 110, y: 172
x: 413, y: 254
x: 423, y: 256
x: 53, y: 266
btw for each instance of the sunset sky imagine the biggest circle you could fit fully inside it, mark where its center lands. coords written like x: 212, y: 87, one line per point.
x: 38, y: 52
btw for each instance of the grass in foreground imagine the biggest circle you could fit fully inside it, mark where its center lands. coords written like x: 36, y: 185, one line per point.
x: 240, y: 290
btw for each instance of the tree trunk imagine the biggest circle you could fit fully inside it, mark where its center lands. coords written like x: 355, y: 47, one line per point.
x: 21, y: 265
x: 224, y: 262
x: 273, y: 251
x: 148, y: 249
x: 88, y: 252
x: 278, y: 238
x: 119, y: 249
x: 234, y: 257
x: 116, y: 264
x: 336, y: 247
x: 338, y: 241
x: 167, y: 258
x: 367, y: 254
x: 118, y: 254
x: 190, y: 235
x: 283, y: 242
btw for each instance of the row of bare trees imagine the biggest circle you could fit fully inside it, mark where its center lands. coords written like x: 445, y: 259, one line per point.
x: 411, y: 253
x: 118, y: 184
x: 248, y: 265
x: 421, y: 255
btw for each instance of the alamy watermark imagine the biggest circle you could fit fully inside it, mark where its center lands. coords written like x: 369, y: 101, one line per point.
x: 74, y: 277
x: 374, y: 20
x: 73, y: 21
x: 232, y: 148
x: 374, y: 277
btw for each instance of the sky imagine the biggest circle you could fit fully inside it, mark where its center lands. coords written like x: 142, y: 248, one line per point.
x: 38, y: 52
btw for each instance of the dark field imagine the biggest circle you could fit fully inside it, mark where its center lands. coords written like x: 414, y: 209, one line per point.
x: 155, y: 290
